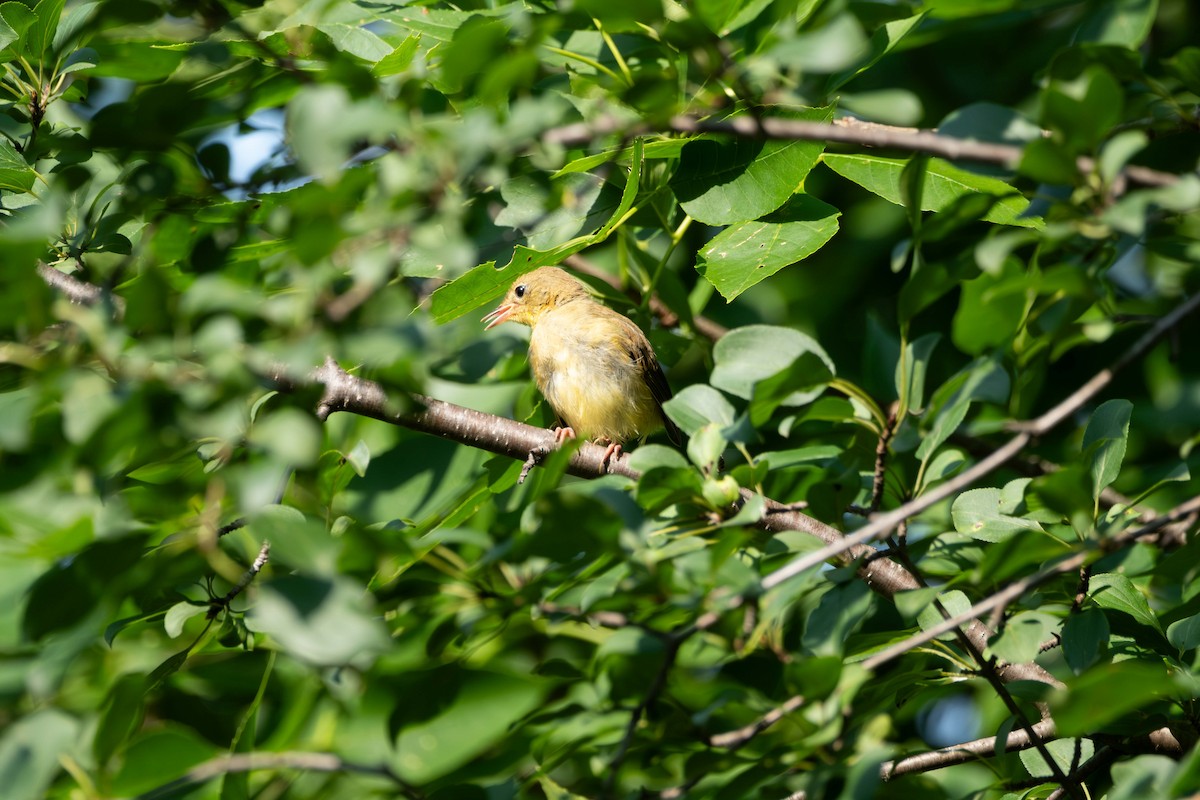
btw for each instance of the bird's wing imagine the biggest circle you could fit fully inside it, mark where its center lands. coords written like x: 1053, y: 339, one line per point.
x: 642, y: 353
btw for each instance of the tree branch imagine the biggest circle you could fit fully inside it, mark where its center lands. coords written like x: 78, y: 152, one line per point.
x: 881, y: 526
x: 218, y: 605
x: 843, y: 131
x: 1022, y: 587
x: 734, y: 739
x: 253, y: 762
x: 961, y: 753
x: 80, y: 292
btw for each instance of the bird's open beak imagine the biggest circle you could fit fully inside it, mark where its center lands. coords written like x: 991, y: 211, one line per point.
x: 501, y: 314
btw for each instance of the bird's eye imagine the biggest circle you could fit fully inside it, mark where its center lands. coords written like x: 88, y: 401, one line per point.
x: 520, y: 290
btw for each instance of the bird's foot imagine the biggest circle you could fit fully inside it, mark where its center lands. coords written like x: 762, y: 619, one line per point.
x: 561, y: 434
x: 612, y: 451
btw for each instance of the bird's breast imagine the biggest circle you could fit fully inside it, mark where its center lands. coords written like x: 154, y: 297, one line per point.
x: 589, y: 379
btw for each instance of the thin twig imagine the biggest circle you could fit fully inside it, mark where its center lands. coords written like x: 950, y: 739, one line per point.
x: 260, y: 561
x: 253, y: 762
x: 666, y: 317
x: 635, y: 716
x: 237, y: 524
x: 734, y: 739
x: 880, y: 475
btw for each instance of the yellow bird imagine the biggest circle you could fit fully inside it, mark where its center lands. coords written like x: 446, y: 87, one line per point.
x: 593, y: 365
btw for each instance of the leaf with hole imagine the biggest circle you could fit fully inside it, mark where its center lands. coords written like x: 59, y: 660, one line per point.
x: 747, y: 253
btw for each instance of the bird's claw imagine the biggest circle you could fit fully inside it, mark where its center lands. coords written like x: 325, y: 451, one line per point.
x: 612, y: 451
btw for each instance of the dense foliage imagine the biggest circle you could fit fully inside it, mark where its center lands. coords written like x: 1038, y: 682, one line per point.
x: 850, y: 323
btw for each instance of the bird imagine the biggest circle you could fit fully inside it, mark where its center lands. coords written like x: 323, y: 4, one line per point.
x: 593, y: 365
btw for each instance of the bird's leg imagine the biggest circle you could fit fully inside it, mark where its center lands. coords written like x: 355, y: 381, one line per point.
x: 613, y: 450
x: 562, y: 433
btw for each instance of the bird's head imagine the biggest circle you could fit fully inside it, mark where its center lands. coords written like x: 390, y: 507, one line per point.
x: 534, y: 294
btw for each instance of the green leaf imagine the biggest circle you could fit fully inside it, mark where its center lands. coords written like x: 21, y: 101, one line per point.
x: 991, y: 310
x: 15, y: 174
x: 41, y: 33
x: 632, y: 182
x: 356, y: 40
x: 649, y: 456
x: 480, y: 707
x: 1084, y: 638
x: 721, y: 181
x: 604, y: 586
x: 157, y: 757
x: 749, y: 252
x: 399, y: 59
x: 1106, y: 693
x: 1115, y: 591
x: 696, y: 406
x: 954, y: 601
x: 883, y: 41
x: 359, y: 458
x: 1184, y: 633
x: 654, y: 149
x: 983, y: 379
x: 1068, y: 754
x: 1021, y: 639
x: 944, y: 184
x: 911, y: 370
x: 1126, y: 23
x: 121, y: 717
x: 722, y: 17
x: 1012, y: 496
x: 178, y: 614
x: 977, y: 513
x: 1104, y: 443
x: 841, y: 610
x: 144, y: 60
x: 705, y: 446
x: 746, y: 358
x: 323, y: 622
x: 660, y: 487
x: 30, y: 751
x: 1049, y: 162
x: 298, y: 542
x: 944, y: 464
x: 1185, y: 66
x: 16, y: 410
x: 17, y: 19
x: 623, y: 15
x: 1082, y: 110
x: 76, y: 20
x: 910, y: 604
x: 527, y: 205
x: 292, y: 435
